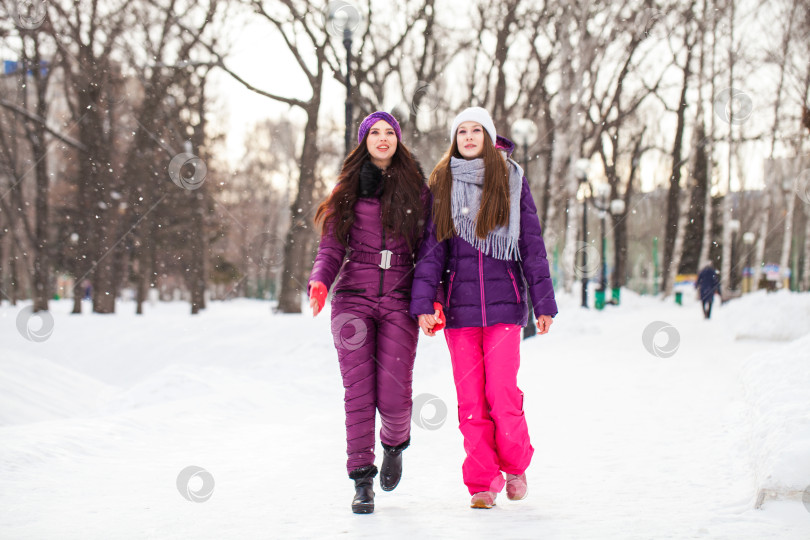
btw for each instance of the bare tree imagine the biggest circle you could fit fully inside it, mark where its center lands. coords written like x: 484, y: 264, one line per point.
x: 167, y: 124
x: 302, y: 27
x: 780, y: 57
x: 676, y: 203
x: 34, y: 74
x: 800, y: 96
x: 705, y: 245
x: 256, y: 202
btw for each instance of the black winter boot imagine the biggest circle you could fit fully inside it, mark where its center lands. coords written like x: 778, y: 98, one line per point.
x: 391, y: 470
x: 363, y: 502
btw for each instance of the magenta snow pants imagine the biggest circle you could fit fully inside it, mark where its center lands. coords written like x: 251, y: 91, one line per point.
x: 376, y: 343
x: 490, y: 404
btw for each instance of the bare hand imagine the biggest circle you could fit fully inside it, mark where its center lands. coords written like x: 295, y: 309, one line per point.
x: 426, y: 323
x: 543, y: 324
x: 313, y: 303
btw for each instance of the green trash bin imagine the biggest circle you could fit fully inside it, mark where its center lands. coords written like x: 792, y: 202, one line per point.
x: 679, y: 298
x: 615, y: 291
x: 599, y: 299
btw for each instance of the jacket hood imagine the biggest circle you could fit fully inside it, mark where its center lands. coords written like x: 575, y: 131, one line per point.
x: 502, y: 143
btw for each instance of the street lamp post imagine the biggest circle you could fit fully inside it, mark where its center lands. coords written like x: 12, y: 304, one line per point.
x: 347, y: 42
x: 582, y: 174
x: 601, y: 204
x: 748, y: 240
x: 734, y: 227
x: 617, y: 209
x: 525, y: 133
x: 342, y: 19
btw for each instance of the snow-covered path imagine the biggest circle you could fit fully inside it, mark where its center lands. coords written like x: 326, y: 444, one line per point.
x: 97, y: 422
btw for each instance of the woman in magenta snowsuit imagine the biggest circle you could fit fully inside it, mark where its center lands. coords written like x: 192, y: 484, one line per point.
x: 373, y: 220
x: 485, y: 246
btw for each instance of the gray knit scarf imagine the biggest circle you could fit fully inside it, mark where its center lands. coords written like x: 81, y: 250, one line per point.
x: 468, y: 184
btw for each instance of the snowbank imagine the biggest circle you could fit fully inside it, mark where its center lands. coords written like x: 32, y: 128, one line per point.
x: 58, y: 392
x: 777, y: 388
x: 780, y: 316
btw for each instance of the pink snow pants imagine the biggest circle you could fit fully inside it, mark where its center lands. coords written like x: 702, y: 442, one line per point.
x: 490, y: 404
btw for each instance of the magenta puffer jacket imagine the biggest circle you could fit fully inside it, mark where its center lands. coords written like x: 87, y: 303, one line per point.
x: 480, y: 290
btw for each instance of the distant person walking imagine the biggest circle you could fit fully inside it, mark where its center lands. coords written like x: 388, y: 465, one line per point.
x: 708, y: 283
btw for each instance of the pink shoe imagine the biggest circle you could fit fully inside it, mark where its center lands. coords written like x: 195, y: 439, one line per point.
x: 483, y: 499
x: 516, y: 488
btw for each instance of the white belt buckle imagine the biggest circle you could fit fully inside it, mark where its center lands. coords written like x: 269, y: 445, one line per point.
x: 385, y: 259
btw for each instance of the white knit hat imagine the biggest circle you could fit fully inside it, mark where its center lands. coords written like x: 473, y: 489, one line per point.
x: 475, y: 114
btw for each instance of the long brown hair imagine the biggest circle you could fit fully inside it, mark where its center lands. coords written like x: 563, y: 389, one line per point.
x: 401, y: 198
x: 494, y: 211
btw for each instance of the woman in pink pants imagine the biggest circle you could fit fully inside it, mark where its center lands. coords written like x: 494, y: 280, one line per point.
x: 485, y: 247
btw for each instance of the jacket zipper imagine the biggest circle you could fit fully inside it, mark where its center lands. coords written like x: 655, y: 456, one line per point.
x: 450, y: 288
x: 382, y: 270
x: 514, y: 284
x: 481, y: 278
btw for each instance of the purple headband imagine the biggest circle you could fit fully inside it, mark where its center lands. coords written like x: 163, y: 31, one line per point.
x: 372, y: 119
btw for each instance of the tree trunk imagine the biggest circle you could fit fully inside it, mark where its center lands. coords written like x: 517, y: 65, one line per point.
x: 806, y: 268
x: 142, y: 276
x: 3, y: 264
x: 674, y: 202
x: 766, y: 199
x: 103, y: 286
x: 548, y: 170
x: 39, y: 155
x: 787, y: 238
x: 293, y: 280
x: 677, y: 251
x: 725, y: 269
x: 198, y: 252
x: 41, y: 247
x: 689, y: 262
x: 695, y: 235
x: 708, y: 208
x: 762, y: 237
x: 199, y: 249
x: 13, y: 285
x: 95, y: 184
x: 564, y: 156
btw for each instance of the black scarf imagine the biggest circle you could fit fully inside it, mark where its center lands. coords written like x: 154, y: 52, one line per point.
x: 371, y: 181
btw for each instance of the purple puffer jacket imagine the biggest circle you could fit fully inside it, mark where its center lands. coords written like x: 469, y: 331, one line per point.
x: 362, y: 273
x: 480, y: 290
